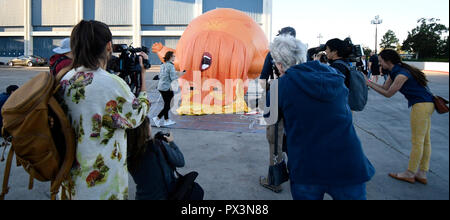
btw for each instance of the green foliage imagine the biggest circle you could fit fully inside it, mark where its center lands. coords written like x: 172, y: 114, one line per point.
x: 426, y: 40
x: 367, y: 51
x: 389, y: 40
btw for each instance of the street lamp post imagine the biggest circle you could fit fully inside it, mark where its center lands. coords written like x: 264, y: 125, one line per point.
x: 320, y: 38
x: 376, y: 22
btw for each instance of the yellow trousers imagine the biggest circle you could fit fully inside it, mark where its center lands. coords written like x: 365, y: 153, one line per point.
x: 420, y: 135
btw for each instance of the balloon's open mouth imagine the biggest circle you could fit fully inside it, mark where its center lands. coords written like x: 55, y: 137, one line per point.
x: 206, y: 61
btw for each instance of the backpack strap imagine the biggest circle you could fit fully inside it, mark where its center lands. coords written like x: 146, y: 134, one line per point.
x: 69, y: 138
x: 5, y: 187
x: 70, y: 148
x: 343, y: 63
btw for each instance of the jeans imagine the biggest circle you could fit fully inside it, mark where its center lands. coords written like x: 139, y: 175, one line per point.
x: 317, y: 192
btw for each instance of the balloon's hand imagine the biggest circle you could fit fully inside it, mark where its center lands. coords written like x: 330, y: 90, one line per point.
x: 157, y: 47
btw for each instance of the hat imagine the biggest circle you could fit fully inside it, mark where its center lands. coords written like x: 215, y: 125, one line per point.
x: 64, y: 48
x: 287, y: 30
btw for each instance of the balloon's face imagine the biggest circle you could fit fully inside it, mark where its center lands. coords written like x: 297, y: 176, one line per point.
x: 222, y: 46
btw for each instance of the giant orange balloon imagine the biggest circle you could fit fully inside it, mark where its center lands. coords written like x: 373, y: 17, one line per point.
x: 220, y: 51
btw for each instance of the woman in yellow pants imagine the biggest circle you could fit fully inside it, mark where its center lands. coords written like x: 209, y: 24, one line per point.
x: 412, y: 83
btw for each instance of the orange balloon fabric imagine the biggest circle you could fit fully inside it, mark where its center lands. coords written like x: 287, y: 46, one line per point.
x: 220, y: 51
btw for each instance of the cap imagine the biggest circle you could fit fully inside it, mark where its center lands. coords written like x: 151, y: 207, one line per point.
x: 64, y: 48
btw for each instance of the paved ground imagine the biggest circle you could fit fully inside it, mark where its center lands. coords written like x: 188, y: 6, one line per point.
x: 230, y: 156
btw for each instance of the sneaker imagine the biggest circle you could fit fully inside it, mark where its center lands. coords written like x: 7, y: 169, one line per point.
x: 157, y: 121
x: 264, y: 183
x: 169, y: 123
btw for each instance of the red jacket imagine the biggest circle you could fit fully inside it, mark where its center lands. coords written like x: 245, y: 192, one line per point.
x: 61, y: 65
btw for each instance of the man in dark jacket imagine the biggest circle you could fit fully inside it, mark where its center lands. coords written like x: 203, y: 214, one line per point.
x: 271, y: 72
x: 3, y: 98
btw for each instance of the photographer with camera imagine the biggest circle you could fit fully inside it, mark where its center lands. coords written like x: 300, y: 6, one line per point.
x: 339, y: 50
x: 102, y: 107
x: 167, y: 75
x: 131, y: 65
x: 152, y: 163
x: 341, y: 53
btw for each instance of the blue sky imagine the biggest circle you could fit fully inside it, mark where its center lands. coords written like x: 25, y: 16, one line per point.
x: 343, y: 18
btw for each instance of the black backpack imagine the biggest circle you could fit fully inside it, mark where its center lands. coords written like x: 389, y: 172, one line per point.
x: 186, y: 188
x: 358, y: 91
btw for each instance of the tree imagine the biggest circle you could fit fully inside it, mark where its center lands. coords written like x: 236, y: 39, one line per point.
x: 367, y: 51
x: 389, y: 40
x: 425, y: 38
x: 443, y: 49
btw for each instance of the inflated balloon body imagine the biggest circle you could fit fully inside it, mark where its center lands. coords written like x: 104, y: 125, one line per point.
x: 220, y: 51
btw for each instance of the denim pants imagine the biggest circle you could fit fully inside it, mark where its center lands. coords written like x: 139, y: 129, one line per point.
x: 317, y: 192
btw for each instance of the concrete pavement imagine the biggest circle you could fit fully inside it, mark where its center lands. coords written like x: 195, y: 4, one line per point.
x: 230, y: 162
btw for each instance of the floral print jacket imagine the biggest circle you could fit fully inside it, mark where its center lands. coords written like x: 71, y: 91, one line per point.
x: 100, y: 106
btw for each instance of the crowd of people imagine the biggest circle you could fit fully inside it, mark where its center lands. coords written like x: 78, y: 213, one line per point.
x: 314, y: 128
x: 323, y: 149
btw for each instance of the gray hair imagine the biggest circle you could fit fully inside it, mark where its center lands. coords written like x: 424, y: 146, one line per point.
x: 288, y: 51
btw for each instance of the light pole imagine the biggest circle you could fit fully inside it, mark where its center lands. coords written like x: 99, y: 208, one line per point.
x: 376, y: 22
x: 320, y: 39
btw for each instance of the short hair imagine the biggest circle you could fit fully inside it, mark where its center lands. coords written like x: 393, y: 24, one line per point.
x: 168, y: 56
x: 287, y: 30
x: 288, y: 51
x: 11, y: 89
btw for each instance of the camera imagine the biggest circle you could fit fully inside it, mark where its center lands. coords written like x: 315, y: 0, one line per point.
x: 161, y: 136
x: 355, y: 56
x: 127, y: 65
x: 314, y: 51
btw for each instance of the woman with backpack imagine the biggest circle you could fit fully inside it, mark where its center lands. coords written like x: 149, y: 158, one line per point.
x: 153, y: 167
x: 413, y: 84
x: 339, y: 50
x: 101, y: 107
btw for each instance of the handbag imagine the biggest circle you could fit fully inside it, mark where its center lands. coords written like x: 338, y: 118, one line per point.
x: 278, y: 173
x: 441, y: 104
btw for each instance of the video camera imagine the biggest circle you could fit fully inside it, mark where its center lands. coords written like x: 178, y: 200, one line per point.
x: 355, y: 56
x: 127, y: 65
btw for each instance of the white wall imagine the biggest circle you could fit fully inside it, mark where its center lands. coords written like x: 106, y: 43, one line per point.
x: 432, y: 66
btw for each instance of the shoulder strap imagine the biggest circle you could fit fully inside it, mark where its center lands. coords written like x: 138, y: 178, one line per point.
x: 59, y: 77
x: 276, y: 139
x: 343, y: 63
x: 5, y: 187
x: 69, y: 137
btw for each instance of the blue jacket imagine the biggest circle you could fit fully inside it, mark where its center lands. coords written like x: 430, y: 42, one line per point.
x: 323, y: 146
x: 3, y: 98
x: 155, y: 172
